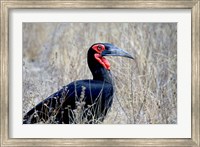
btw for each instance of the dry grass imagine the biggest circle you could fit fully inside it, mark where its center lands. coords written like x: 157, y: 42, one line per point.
x: 54, y: 54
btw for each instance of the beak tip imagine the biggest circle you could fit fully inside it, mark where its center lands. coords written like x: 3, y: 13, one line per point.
x: 131, y: 57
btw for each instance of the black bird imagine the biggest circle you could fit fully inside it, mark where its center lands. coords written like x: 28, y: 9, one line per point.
x: 82, y: 101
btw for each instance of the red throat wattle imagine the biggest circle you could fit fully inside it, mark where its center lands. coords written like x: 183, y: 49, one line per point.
x: 103, y: 61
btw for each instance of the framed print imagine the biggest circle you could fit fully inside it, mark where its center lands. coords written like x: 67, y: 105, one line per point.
x: 97, y: 73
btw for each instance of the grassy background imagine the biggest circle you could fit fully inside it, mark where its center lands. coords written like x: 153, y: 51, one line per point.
x: 54, y: 54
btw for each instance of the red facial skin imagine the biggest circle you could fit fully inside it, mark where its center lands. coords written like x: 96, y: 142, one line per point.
x: 99, y: 48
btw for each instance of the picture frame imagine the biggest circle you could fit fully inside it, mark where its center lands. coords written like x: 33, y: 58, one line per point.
x: 166, y: 4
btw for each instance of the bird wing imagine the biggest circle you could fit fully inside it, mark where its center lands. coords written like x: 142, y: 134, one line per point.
x: 55, y: 107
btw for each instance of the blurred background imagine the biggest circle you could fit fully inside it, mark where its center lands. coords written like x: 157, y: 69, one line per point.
x: 55, y: 54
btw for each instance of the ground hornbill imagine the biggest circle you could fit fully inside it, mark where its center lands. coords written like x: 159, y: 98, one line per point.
x: 83, y: 101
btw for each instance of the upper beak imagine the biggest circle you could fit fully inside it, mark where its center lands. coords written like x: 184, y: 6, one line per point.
x: 112, y: 50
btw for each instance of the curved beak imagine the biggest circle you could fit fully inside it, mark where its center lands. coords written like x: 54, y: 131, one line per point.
x: 112, y: 50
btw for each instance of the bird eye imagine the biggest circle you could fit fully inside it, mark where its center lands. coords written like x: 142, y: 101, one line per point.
x: 99, y: 47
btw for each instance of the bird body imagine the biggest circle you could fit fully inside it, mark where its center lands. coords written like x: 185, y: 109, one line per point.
x: 82, y: 101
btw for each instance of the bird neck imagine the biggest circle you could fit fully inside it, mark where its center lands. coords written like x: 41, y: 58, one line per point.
x: 102, y: 74
x: 99, y: 72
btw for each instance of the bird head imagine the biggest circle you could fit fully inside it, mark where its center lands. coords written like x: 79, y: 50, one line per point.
x: 107, y: 49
